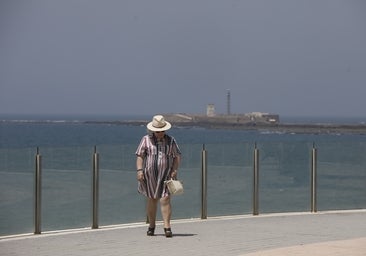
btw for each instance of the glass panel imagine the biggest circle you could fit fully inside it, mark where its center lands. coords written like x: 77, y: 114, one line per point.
x: 16, y: 190
x: 284, y: 170
x: 229, y: 179
x: 119, y: 200
x: 188, y: 205
x: 66, y: 187
x: 341, y: 175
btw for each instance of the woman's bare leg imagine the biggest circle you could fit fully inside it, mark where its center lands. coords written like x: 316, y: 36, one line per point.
x: 166, y: 210
x: 151, y: 211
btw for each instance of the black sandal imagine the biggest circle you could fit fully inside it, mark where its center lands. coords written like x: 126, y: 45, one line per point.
x: 168, y: 232
x: 151, y: 231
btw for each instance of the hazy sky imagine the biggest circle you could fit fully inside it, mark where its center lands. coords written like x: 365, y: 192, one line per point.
x: 289, y: 57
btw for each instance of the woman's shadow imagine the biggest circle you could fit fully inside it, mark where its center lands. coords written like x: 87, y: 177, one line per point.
x: 177, y: 234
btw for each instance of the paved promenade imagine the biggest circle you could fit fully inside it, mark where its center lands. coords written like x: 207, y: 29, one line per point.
x: 319, y: 234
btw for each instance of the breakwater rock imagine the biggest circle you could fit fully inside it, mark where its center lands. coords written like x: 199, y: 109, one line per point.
x: 251, y: 125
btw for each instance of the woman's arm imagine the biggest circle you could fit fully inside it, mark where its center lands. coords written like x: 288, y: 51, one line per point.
x: 176, y: 163
x: 139, y: 168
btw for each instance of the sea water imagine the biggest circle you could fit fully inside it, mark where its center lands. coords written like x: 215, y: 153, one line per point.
x: 68, y: 144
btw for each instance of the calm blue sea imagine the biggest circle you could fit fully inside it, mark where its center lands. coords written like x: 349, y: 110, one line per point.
x: 67, y: 145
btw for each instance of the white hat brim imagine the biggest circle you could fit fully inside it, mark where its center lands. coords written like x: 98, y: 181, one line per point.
x: 154, y: 129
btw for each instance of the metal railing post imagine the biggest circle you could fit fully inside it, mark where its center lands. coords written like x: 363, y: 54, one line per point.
x: 204, y: 184
x: 256, y: 181
x: 313, y: 179
x: 37, y: 193
x: 95, y: 188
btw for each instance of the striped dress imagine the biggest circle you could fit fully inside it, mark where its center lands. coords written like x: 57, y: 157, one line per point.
x: 158, y: 161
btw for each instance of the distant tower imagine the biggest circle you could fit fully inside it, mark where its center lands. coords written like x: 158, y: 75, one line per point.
x: 211, y: 110
x: 228, y: 102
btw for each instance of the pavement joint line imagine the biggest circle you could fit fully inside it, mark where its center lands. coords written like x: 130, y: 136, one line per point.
x: 178, y: 221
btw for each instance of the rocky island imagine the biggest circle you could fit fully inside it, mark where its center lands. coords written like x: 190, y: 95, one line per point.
x: 251, y: 121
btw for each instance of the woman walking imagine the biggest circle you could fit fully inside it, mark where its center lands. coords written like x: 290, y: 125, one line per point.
x: 158, y: 159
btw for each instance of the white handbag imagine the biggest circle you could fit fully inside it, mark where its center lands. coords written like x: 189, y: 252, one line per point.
x: 175, y: 187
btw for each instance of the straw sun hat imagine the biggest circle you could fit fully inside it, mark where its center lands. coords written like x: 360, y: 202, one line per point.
x: 158, y: 124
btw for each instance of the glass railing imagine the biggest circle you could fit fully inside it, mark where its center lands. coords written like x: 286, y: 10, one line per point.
x: 284, y: 182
